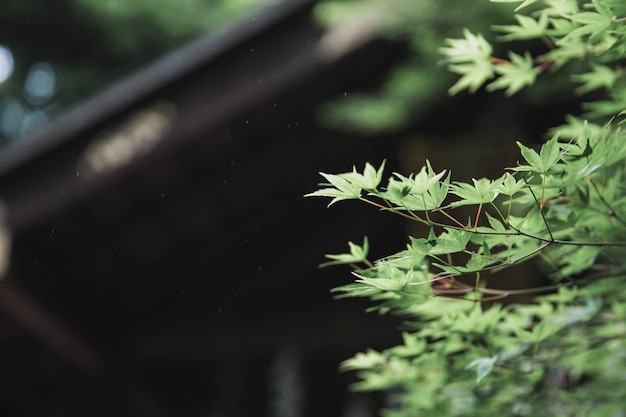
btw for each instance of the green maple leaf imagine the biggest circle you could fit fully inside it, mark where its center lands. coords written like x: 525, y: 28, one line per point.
x: 509, y: 185
x: 469, y: 57
x: 357, y: 255
x: 573, y: 48
x: 369, y: 179
x: 528, y: 28
x: 607, y: 108
x: 601, y: 76
x: 560, y: 7
x: 541, y: 162
x: 349, y: 185
x: 424, y: 191
x: 364, y: 360
x: 481, y: 191
x: 592, y: 24
x: 470, y: 48
x: 474, y: 75
x: 515, y: 75
x: 524, y: 3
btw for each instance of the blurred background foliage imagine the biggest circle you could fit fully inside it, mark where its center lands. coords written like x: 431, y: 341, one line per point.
x: 57, y: 52
x: 414, y: 84
x: 418, y: 84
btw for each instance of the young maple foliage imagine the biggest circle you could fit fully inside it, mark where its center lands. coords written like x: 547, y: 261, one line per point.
x: 466, y: 351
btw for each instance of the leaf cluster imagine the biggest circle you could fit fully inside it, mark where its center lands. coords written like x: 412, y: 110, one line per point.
x: 464, y: 351
x: 564, y: 204
x: 592, y: 34
x: 407, y: 91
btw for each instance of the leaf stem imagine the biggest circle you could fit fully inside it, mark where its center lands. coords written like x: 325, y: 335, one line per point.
x: 499, y: 61
x: 480, y: 206
x: 461, y: 225
x: 540, y: 205
x: 606, y: 203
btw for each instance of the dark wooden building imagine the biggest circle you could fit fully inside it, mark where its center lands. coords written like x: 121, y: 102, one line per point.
x: 164, y: 260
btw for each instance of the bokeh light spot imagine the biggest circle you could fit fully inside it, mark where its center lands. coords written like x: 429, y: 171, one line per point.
x: 6, y: 63
x: 40, y: 83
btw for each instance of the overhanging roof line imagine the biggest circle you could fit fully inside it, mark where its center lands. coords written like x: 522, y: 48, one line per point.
x: 137, y: 86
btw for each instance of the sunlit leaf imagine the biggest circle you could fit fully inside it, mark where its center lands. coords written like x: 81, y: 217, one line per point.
x: 391, y: 280
x: 470, y: 58
x: 358, y: 254
x: 483, y: 366
x: 369, y: 179
x: 470, y: 48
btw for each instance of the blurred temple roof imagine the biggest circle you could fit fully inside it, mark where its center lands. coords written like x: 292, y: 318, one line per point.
x: 164, y: 262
